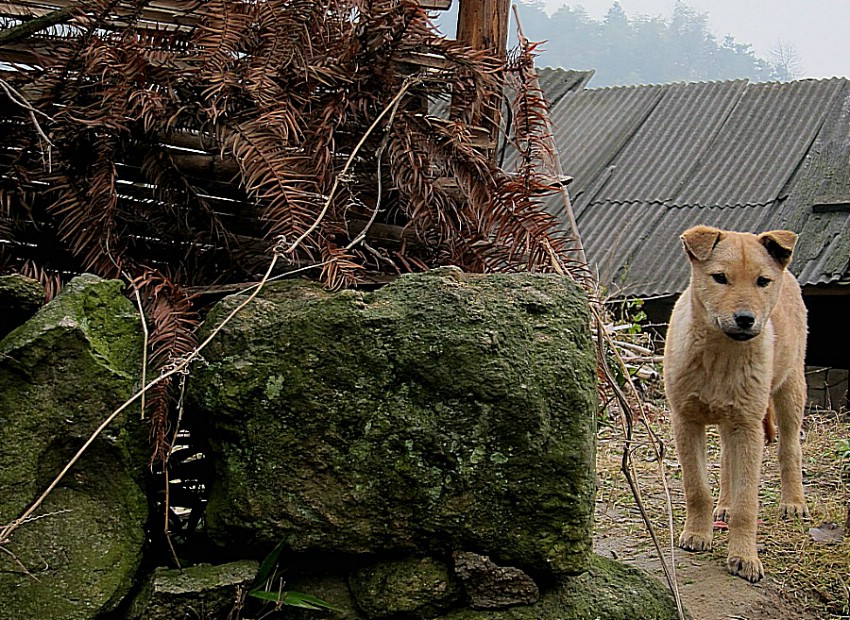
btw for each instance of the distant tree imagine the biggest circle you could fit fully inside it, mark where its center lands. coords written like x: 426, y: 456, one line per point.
x: 786, y: 61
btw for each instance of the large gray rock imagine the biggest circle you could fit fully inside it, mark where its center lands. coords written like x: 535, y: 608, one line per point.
x: 441, y: 412
x: 61, y: 374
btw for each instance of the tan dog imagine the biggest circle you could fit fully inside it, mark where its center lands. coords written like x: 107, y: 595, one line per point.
x: 735, y: 349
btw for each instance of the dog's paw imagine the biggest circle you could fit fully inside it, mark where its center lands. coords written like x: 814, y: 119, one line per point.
x: 794, y: 511
x: 721, y: 513
x: 694, y: 541
x: 748, y: 568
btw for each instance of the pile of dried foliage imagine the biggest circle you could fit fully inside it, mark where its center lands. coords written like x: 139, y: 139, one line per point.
x: 174, y: 146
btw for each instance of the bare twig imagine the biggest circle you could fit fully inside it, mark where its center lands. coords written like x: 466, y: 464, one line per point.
x: 602, y: 337
x: 18, y: 99
x: 633, y: 347
x: 146, y: 335
x: 20, y: 564
x: 553, y: 161
x: 627, y: 465
x: 362, y: 235
x: 165, y: 471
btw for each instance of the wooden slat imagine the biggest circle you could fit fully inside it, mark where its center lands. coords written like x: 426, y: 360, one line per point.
x: 436, y: 5
x: 162, y: 13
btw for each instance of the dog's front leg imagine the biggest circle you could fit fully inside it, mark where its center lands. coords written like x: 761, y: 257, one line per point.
x: 690, y: 444
x: 744, y: 444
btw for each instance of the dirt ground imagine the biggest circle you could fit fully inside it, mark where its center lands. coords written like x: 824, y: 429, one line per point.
x: 805, y: 580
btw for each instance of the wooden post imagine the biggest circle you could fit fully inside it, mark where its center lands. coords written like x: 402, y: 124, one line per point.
x: 483, y: 25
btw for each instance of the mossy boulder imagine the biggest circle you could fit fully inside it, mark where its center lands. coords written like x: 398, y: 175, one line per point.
x: 444, y: 411
x: 202, y: 591
x: 608, y: 590
x: 61, y: 374
x: 406, y: 588
x: 20, y: 298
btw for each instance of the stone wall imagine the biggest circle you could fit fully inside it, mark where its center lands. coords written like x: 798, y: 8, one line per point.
x: 425, y: 450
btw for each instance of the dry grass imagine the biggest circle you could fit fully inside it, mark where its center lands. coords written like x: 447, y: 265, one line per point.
x: 815, y: 575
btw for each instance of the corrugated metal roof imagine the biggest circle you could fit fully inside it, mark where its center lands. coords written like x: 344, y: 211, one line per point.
x: 656, y: 163
x: 650, y: 161
x: 658, y: 265
x: 761, y: 144
x: 823, y: 249
x: 556, y: 83
x: 592, y: 126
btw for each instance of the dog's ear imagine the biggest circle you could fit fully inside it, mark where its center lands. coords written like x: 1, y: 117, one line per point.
x: 699, y: 241
x: 779, y: 244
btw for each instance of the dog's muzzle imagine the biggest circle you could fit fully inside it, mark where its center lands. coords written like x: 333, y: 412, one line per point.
x: 742, y: 326
x: 741, y: 336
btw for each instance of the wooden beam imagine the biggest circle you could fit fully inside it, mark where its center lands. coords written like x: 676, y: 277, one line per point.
x: 436, y: 5
x: 483, y: 24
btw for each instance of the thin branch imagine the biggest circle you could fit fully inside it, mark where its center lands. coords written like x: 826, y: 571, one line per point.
x: 165, y: 472
x: 18, y: 99
x: 628, y: 467
x: 379, y: 193
x: 146, y: 335
x: 28, y: 28
x: 554, y: 160
x: 20, y: 564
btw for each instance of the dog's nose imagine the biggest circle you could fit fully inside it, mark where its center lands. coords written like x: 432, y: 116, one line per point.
x: 744, y: 320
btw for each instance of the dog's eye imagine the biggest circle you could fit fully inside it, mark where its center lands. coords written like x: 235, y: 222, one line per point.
x: 720, y: 278
x: 762, y: 281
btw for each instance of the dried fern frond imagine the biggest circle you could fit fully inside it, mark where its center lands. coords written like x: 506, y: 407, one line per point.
x: 177, y: 152
x: 173, y: 326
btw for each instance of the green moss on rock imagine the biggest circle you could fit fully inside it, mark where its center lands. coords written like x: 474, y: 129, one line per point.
x: 608, y: 590
x: 202, y: 591
x: 443, y: 411
x: 410, y: 588
x: 61, y: 374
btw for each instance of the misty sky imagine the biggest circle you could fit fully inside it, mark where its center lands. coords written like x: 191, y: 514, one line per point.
x: 819, y: 30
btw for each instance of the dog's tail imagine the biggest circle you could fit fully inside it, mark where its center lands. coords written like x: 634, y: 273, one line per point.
x: 769, y: 425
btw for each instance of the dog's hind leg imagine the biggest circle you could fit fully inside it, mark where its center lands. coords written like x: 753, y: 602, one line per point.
x: 724, y: 500
x: 745, y: 446
x: 790, y: 400
x: 769, y: 424
x: 690, y: 444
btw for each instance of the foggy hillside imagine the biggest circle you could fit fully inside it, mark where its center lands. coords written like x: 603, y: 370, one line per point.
x: 626, y: 49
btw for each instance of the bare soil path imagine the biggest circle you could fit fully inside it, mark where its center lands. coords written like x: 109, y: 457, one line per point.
x: 804, y: 580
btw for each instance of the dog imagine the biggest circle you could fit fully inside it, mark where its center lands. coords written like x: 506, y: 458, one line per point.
x: 734, y: 357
